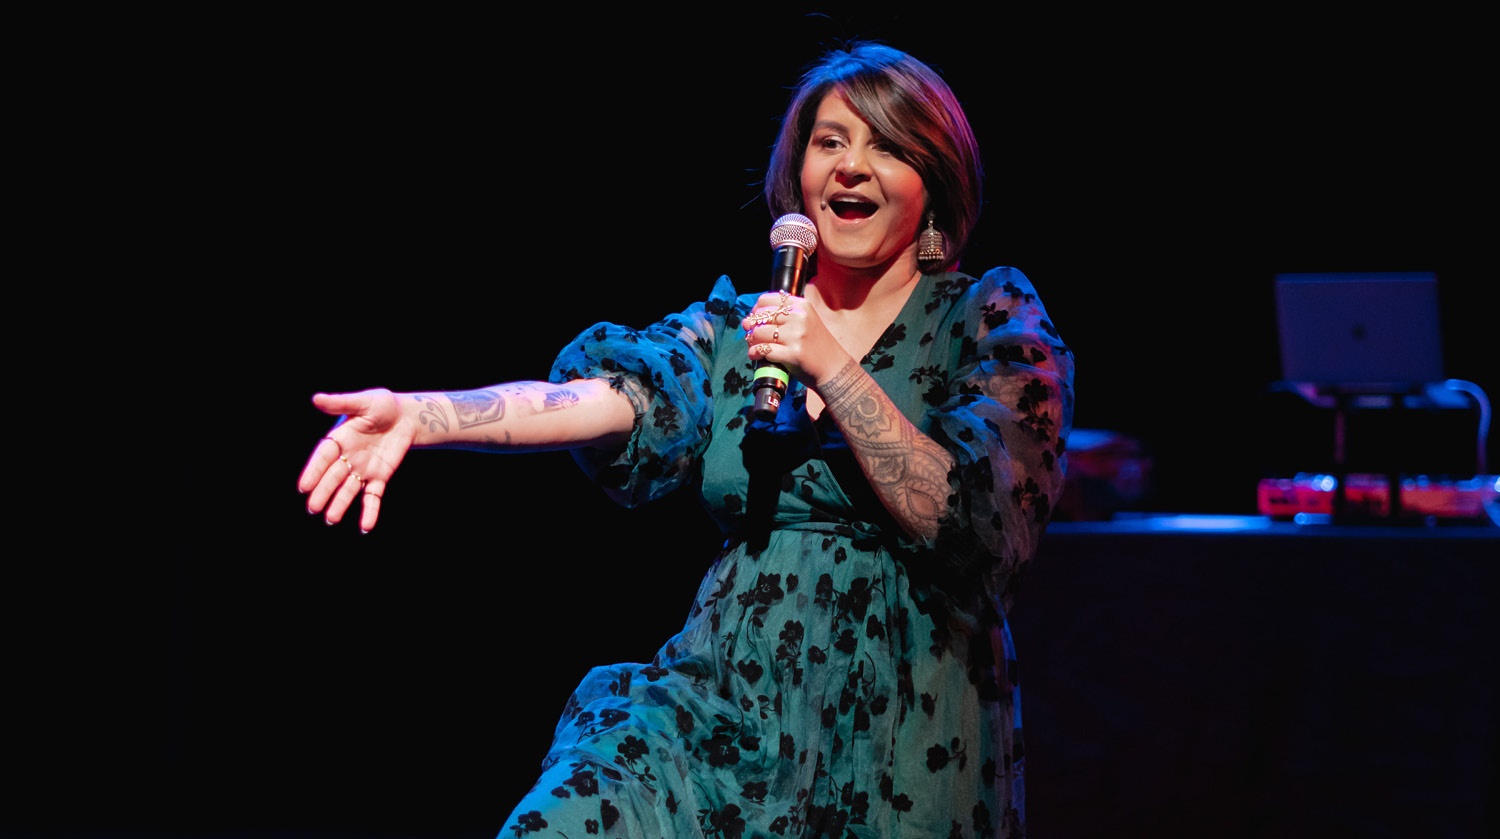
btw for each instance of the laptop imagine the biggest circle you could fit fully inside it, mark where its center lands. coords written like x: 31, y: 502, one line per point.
x: 1375, y: 332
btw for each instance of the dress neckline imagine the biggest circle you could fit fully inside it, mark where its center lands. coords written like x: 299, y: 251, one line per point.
x: 917, y: 292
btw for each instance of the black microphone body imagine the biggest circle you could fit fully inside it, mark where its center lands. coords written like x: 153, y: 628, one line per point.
x: 794, y: 237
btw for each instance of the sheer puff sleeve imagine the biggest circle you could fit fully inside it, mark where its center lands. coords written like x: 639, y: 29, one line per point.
x: 1005, y: 415
x: 663, y: 370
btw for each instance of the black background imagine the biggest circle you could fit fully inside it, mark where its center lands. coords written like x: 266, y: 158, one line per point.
x: 441, y: 200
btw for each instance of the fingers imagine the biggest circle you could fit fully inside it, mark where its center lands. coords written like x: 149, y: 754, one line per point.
x: 763, y: 330
x: 345, y: 492
x: 369, y: 494
x: 325, y: 453
x: 762, y: 340
x: 370, y: 500
x: 335, y: 495
x: 773, y: 307
x: 327, y: 477
x: 341, y: 403
x: 351, y: 463
x: 331, y: 451
x: 775, y: 316
x: 330, y: 447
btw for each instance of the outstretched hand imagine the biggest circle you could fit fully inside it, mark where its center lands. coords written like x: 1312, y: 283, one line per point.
x: 357, y: 457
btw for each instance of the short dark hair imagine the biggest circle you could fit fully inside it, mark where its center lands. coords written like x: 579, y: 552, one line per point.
x: 909, y: 105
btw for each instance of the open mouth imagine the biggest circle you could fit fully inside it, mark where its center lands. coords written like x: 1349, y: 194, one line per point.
x: 851, y: 208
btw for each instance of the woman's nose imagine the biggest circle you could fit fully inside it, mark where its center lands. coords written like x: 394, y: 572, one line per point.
x: 853, y: 163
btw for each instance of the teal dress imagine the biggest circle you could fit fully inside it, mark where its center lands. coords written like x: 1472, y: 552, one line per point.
x: 834, y: 677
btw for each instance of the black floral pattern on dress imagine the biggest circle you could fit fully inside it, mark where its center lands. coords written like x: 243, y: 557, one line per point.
x: 833, y: 677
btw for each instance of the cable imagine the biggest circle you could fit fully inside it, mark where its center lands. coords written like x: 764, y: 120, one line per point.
x: 1477, y: 394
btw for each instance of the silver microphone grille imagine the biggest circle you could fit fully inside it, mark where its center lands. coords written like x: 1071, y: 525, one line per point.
x: 794, y: 229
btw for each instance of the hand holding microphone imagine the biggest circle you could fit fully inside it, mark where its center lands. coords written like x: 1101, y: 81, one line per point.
x: 793, y: 238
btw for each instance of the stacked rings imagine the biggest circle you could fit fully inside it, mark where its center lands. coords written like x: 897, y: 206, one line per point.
x: 353, y: 474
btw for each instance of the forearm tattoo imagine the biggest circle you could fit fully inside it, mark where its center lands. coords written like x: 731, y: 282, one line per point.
x: 559, y: 398
x: 477, y: 407
x: 431, y: 415
x: 906, y: 468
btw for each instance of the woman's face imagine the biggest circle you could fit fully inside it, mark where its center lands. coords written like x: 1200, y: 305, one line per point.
x: 865, y: 201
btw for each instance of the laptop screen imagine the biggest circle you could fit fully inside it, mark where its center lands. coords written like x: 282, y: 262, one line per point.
x: 1360, y: 332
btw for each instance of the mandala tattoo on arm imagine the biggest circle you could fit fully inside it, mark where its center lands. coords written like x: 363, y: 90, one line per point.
x: 907, y: 469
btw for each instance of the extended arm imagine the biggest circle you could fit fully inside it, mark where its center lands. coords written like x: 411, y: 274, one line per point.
x: 521, y: 416
x: 377, y: 427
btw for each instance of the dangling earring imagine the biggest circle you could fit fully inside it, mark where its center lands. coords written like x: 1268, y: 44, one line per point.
x: 930, y: 245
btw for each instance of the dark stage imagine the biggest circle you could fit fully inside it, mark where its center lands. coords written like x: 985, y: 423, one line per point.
x: 443, y: 203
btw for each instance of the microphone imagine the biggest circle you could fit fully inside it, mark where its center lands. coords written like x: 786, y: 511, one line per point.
x: 793, y: 237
